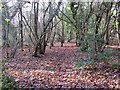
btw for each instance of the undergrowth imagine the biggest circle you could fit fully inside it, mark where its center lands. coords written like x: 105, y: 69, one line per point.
x: 8, y: 83
x: 93, y: 58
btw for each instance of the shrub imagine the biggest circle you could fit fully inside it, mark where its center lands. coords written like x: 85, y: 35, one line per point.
x: 8, y: 83
x: 5, y: 60
x: 95, y: 57
x: 81, y: 62
x: 101, y: 56
x: 115, y: 64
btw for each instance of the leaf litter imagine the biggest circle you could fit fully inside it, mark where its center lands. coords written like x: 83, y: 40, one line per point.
x: 55, y: 70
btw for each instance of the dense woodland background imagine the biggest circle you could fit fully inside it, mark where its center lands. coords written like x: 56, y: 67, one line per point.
x: 38, y: 30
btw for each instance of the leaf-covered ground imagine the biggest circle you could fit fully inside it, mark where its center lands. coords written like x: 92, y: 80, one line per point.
x: 55, y: 70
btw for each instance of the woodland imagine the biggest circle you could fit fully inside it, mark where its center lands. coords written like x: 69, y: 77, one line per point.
x: 59, y: 45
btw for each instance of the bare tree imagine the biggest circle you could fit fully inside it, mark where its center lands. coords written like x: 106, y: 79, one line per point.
x: 41, y: 42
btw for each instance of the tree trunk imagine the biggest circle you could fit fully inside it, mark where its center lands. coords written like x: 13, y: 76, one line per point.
x: 77, y: 38
x: 108, y: 17
x: 62, y: 36
x: 3, y: 29
x: 36, y: 18
x: 21, y: 28
x: 118, y: 19
x: 7, y: 40
x: 51, y: 44
x: 70, y: 36
x: 37, y: 47
x: 36, y: 51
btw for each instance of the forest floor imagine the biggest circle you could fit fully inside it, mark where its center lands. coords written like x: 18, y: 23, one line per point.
x: 55, y: 70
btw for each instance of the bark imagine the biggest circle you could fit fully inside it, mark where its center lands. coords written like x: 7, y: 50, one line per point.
x: 29, y: 33
x: 36, y: 51
x: 118, y: 19
x: 62, y: 36
x: 70, y: 36
x: 21, y: 28
x: 42, y: 40
x: 3, y: 29
x: 30, y: 28
x: 51, y: 44
x: 108, y: 17
x: 36, y: 18
x: 74, y: 12
x: 7, y: 40
x: 99, y: 16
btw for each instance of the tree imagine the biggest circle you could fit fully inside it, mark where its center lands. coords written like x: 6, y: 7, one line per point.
x: 41, y: 42
x: 8, y: 14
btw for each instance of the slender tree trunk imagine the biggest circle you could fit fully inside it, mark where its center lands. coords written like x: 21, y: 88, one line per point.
x: 7, y: 35
x: 70, y: 36
x: 108, y: 17
x: 62, y: 37
x: 51, y: 44
x: 7, y: 40
x: 118, y: 19
x: 98, y: 20
x: 74, y: 11
x: 3, y: 29
x: 21, y: 28
x: 36, y: 18
x: 49, y: 33
x: 77, y: 39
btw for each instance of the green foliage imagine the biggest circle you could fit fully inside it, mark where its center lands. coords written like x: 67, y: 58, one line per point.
x: 90, y: 40
x: 83, y: 48
x: 113, y: 11
x: 5, y: 60
x: 4, y: 68
x: 101, y: 56
x: 115, y: 23
x: 94, y: 44
x: 83, y: 45
x: 67, y: 5
x: 7, y: 20
x: 115, y: 64
x: 8, y: 83
x: 95, y: 57
x: 81, y: 62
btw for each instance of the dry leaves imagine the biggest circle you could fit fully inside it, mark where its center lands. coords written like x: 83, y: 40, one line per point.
x: 54, y: 69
